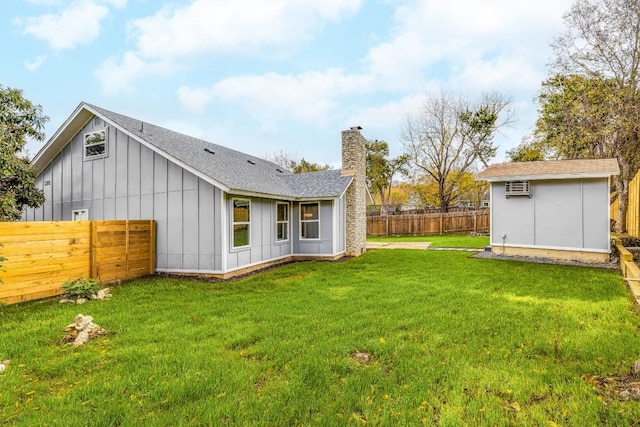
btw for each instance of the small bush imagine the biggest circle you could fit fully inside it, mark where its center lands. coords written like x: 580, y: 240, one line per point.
x: 80, y: 288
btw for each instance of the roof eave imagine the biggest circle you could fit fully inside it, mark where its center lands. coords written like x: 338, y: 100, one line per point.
x: 61, y: 138
x: 546, y: 177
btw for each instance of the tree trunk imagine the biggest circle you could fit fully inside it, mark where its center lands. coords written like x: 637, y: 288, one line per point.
x: 622, y: 188
x: 383, y: 203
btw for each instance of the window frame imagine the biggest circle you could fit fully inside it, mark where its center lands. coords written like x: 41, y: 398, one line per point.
x: 104, y: 142
x: 284, y: 223
x: 305, y: 221
x: 234, y: 223
x: 80, y: 214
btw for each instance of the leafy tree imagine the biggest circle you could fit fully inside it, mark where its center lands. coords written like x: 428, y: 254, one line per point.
x: 288, y: 162
x: 601, y: 47
x: 449, y: 135
x: 19, y: 120
x: 381, y: 170
x: 527, y: 151
x: 467, y: 190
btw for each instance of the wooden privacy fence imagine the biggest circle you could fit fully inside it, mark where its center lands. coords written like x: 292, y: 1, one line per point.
x: 427, y: 224
x: 42, y: 256
x: 633, y: 207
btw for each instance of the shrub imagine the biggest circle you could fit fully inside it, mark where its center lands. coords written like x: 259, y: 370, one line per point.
x: 80, y: 288
x: 1, y: 269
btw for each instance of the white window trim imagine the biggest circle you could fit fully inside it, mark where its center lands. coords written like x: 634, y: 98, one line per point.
x: 312, y: 220
x: 80, y: 215
x: 105, y: 142
x: 286, y: 222
x: 234, y: 223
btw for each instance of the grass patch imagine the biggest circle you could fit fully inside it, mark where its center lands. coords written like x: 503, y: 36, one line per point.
x: 452, y: 341
x: 440, y: 241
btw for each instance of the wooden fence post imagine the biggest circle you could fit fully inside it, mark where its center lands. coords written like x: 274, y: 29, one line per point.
x: 93, y: 240
x: 441, y: 223
x: 152, y: 248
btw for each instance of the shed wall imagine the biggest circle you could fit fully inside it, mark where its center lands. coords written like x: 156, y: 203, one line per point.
x: 567, y: 214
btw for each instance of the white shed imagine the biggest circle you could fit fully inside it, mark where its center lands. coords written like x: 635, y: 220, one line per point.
x: 551, y: 209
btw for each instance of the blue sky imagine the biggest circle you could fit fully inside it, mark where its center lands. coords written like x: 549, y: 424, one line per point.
x: 265, y: 76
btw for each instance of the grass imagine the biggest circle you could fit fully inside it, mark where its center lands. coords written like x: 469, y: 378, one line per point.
x: 454, y: 341
x: 440, y: 241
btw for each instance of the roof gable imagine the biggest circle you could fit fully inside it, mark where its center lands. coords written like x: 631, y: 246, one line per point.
x: 225, y: 168
x: 550, y: 169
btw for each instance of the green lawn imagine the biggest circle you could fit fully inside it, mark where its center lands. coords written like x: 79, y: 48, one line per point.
x: 454, y: 341
x: 440, y: 241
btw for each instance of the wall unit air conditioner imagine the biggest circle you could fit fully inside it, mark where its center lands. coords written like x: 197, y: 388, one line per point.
x: 517, y: 188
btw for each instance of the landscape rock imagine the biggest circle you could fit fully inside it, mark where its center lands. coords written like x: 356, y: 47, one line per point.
x: 101, y: 294
x: 362, y: 357
x: 4, y: 364
x: 82, y: 330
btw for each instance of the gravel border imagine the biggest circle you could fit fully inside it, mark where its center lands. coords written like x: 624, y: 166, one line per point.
x: 489, y: 255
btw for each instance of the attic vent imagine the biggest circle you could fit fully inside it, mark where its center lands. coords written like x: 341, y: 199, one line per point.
x: 517, y: 188
x: 279, y: 170
x: 209, y: 150
x: 251, y: 162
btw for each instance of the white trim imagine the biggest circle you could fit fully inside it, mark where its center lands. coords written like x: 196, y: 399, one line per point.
x: 491, y: 211
x: 287, y: 222
x: 254, y: 264
x: 188, y: 271
x: 104, y: 142
x: 300, y: 220
x: 233, y: 224
x: 334, y: 210
x: 224, y: 228
x: 546, y: 177
x: 555, y: 248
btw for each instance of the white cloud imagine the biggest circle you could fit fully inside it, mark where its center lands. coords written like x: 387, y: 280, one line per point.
x: 213, y: 26
x: 117, y: 74
x: 241, y: 28
x: 311, y: 97
x: 35, y: 64
x: 76, y: 24
x: 453, y: 37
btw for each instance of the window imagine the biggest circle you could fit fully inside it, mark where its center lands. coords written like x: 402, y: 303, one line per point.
x: 95, y: 144
x: 309, y: 221
x: 282, y: 222
x: 80, y: 215
x: 241, y: 223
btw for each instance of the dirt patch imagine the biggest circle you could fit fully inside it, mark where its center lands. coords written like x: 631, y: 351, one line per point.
x: 621, y: 388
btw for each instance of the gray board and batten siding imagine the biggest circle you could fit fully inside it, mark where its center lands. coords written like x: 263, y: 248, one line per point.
x: 188, y: 186
x: 563, y: 214
x: 133, y: 182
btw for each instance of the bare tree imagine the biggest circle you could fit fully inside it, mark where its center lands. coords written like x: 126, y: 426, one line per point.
x: 449, y: 135
x: 602, y: 42
x: 285, y: 160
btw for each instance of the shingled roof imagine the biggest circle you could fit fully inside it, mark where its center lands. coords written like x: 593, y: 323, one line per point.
x: 550, y: 169
x: 228, y: 169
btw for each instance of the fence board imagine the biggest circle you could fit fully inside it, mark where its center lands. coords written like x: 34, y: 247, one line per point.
x: 42, y: 256
x: 428, y: 224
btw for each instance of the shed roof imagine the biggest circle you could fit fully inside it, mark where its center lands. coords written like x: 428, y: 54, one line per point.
x: 228, y: 169
x: 550, y: 169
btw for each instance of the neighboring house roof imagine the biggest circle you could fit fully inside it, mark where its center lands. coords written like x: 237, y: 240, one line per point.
x: 230, y: 170
x: 550, y: 169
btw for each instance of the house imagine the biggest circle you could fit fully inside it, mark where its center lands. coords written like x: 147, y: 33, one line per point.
x: 218, y: 211
x: 551, y: 209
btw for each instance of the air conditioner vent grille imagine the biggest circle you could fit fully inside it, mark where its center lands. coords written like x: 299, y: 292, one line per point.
x: 517, y: 188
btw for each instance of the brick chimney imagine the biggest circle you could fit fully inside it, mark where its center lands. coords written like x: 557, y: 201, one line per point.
x: 354, y: 162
